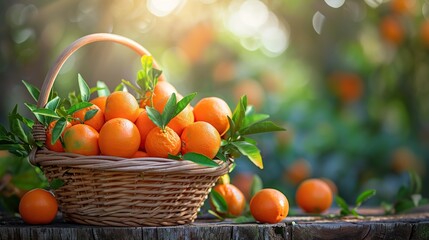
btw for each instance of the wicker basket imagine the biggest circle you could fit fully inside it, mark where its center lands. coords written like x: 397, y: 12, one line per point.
x: 114, y: 191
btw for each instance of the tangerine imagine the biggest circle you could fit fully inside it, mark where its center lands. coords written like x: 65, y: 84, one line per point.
x: 179, y: 122
x: 163, y: 89
x: 38, y: 206
x: 234, y: 198
x: 81, y: 139
x: 202, y: 138
x: 314, y: 196
x: 215, y: 111
x: 119, y: 137
x: 140, y: 154
x: 96, y: 121
x: 121, y: 104
x: 391, y: 30
x: 100, y: 102
x: 162, y: 142
x: 144, y: 125
x: 269, y: 206
x: 57, y: 146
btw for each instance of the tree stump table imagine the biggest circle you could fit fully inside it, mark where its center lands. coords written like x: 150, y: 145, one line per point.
x: 403, y: 226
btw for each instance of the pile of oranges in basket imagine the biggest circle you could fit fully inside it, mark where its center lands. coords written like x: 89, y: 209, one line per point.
x: 121, y: 125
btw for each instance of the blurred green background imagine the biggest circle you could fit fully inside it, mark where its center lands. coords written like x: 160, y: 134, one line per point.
x: 348, y: 79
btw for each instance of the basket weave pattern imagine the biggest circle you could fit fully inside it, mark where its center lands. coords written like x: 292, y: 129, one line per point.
x: 114, y: 191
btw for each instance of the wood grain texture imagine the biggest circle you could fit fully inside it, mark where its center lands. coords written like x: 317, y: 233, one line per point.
x: 408, y: 226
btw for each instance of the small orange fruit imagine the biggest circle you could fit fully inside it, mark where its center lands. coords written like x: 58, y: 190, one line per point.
x: 298, y: 171
x: 234, y: 198
x: 314, y: 196
x: 179, y: 122
x: 96, y: 121
x: 57, y: 146
x: 121, y: 105
x: 163, y: 89
x: 100, y: 102
x: 269, y: 206
x: 392, y: 30
x: 81, y: 139
x: 119, y: 137
x: 202, y: 138
x: 215, y: 111
x: 161, y: 142
x: 140, y: 154
x: 244, y: 181
x: 144, y: 125
x: 38, y: 206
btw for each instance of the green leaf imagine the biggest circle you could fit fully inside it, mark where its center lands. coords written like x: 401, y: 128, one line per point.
x: 256, y: 185
x: 345, y: 210
x: 15, y: 125
x: 254, y: 118
x: 58, y: 129
x: 119, y: 87
x: 169, y: 110
x: 73, y: 99
x: 34, y: 91
x: 415, y: 182
x: 85, y: 92
x: 12, y: 147
x: 90, y: 114
x: 46, y: 112
x: 56, y: 183
x: 216, y: 215
x: 240, y: 112
x: 103, y: 89
x: 53, y: 104
x: 200, y: 159
x: 78, y: 106
x: 261, y: 127
x: 129, y: 84
x: 364, y: 196
x: 184, y: 102
x: 218, y: 202
x: 250, y: 151
x: 154, y: 115
x: 175, y: 157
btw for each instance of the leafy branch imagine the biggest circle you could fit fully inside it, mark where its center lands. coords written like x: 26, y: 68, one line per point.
x: 245, y: 122
x: 346, y: 210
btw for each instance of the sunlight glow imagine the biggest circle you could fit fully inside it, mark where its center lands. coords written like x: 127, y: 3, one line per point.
x: 318, y: 20
x: 162, y: 8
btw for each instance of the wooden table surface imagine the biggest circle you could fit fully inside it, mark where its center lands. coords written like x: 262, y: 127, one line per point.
x: 404, y: 226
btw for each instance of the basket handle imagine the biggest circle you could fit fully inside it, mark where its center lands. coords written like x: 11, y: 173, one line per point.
x: 96, y: 37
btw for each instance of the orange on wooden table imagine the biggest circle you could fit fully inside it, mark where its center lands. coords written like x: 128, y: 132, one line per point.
x: 269, y: 206
x: 119, y: 137
x: 314, y: 196
x: 234, y: 198
x: 38, y: 206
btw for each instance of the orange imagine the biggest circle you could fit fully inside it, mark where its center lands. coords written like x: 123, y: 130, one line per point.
x: 215, y: 111
x: 81, y: 139
x: 162, y: 90
x: 243, y: 181
x: 424, y: 33
x: 140, y: 154
x: 314, y: 196
x: 253, y: 90
x: 96, y: 121
x: 202, y: 138
x: 161, y: 142
x: 144, y: 125
x: 57, y: 147
x: 100, y: 102
x: 234, y: 198
x: 402, y: 6
x: 38, y: 206
x: 121, y: 105
x: 348, y: 86
x: 298, y: 171
x: 269, y: 206
x: 119, y: 137
x: 179, y: 122
x: 391, y: 30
